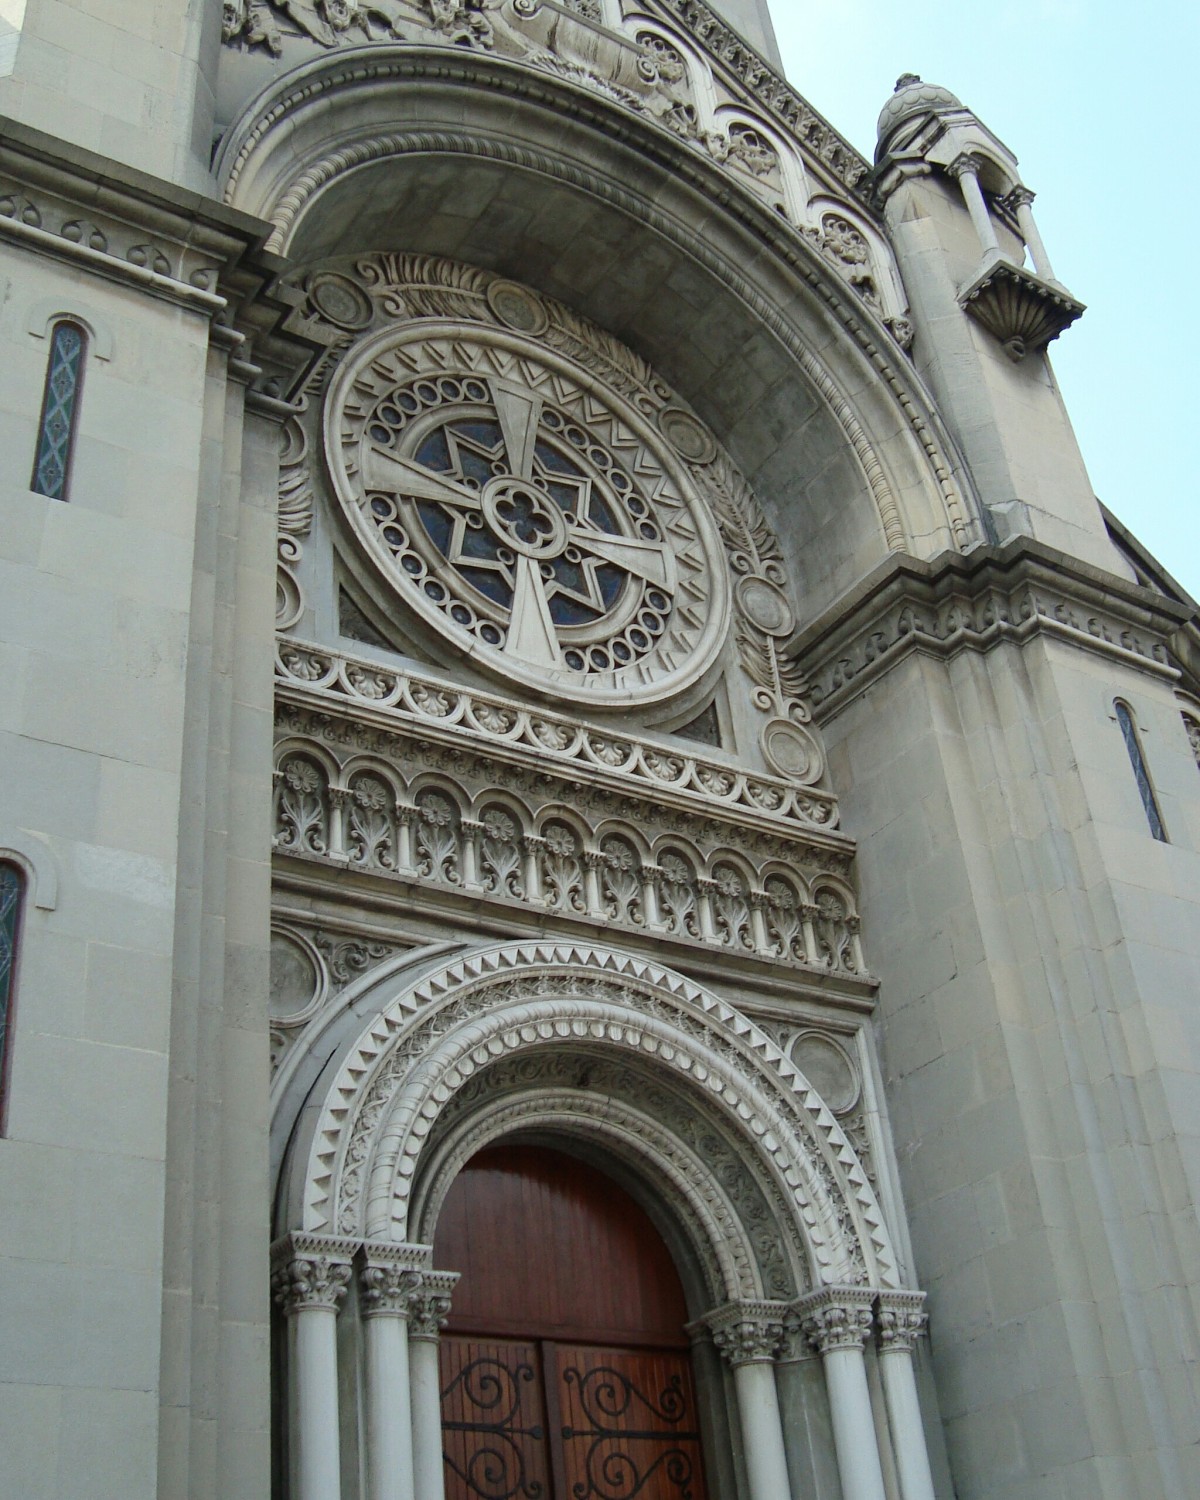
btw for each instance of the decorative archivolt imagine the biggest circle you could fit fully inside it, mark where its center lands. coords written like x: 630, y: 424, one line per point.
x: 433, y: 817
x: 680, y: 68
x: 380, y: 1129
x: 678, y: 1177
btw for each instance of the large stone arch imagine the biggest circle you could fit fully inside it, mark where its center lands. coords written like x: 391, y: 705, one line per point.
x: 366, y: 150
x: 372, y: 1149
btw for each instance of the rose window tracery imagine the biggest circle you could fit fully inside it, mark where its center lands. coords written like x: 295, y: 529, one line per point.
x: 531, y: 516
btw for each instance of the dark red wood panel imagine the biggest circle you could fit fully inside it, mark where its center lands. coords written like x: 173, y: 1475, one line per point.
x: 626, y: 1421
x: 493, y: 1420
x: 550, y: 1247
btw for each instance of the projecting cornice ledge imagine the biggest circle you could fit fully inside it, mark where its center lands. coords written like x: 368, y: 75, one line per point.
x: 974, y: 602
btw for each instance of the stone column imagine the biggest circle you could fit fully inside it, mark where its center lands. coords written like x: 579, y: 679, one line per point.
x: 531, y: 846
x: 837, y: 1322
x: 472, y: 831
x: 390, y: 1274
x: 902, y: 1321
x: 966, y: 169
x: 428, y: 1309
x: 748, y: 1334
x: 1020, y: 200
x: 310, y: 1277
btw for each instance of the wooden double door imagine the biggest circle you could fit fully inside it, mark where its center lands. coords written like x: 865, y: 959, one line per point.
x: 565, y: 1369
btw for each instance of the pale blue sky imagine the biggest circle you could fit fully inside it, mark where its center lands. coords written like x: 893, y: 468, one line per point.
x: 1100, y: 101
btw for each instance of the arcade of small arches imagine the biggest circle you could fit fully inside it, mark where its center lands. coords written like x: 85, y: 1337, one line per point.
x: 366, y: 816
x: 780, y: 1243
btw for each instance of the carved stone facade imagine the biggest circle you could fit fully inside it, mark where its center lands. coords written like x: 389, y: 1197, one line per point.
x: 576, y: 623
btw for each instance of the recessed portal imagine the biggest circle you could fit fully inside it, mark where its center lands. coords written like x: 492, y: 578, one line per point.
x: 565, y: 1367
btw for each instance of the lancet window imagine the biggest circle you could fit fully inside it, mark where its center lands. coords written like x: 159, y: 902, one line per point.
x: 60, y: 410
x: 1141, y: 774
x: 12, y: 890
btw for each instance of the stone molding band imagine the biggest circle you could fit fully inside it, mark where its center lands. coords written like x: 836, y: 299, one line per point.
x: 978, y: 601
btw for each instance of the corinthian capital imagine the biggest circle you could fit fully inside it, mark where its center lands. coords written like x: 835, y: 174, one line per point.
x: 746, y: 1332
x: 838, y: 1317
x: 902, y: 1320
x: 429, y: 1304
x: 310, y: 1272
x: 389, y: 1278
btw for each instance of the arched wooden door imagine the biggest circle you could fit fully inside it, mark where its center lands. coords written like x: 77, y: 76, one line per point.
x: 565, y: 1367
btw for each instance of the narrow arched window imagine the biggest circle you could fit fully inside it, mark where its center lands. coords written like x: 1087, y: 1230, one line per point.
x: 12, y: 890
x: 1141, y: 775
x: 60, y: 410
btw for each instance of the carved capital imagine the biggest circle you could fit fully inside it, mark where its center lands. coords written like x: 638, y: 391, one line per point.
x: 429, y: 1304
x: 532, y: 843
x: 1019, y: 197
x: 965, y: 165
x: 340, y: 796
x: 902, y: 1320
x: 594, y: 859
x: 311, y: 1272
x: 835, y: 1318
x: 389, y: 1278
x: 747, y: 1332
x: 472, y: 829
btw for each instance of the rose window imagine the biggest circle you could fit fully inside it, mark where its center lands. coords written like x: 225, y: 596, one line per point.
x: 533, y: 518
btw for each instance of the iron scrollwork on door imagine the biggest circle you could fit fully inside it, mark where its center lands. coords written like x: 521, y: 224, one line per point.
x: 490, y: 1457
x: 632, y: 1438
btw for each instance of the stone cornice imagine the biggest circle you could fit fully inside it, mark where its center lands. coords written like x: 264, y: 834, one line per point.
x: 177, y: 246
x: 773, y: 92
x: 976, y: 601
x: 678, y: 775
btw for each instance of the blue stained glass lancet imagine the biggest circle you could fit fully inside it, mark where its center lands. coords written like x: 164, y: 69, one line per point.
x: 1142, y: 776
x: 60, y: 405
x: 11, y: 886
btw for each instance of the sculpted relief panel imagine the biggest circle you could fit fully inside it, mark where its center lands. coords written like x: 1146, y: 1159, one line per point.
x: 683, y: 69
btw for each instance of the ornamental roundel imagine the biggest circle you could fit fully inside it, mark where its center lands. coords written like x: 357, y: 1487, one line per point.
x: 527, y: 512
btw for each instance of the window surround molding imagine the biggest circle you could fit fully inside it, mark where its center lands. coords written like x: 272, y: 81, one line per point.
x: 32, y: 855
x: 48, y: 311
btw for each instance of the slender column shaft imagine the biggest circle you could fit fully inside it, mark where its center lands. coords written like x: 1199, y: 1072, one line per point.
x: 389, y: 1418
x: 1032, y: 237
x: 853, y: 1424
x: 428, y: 1479
x: 762, y: 1431
x: 316, y: 1443
x: 904, y: 1418
x: 309, y: 1280
x: 967, y: 172
x: 902, y: 1321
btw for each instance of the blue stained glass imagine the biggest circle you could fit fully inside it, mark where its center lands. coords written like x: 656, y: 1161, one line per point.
x: 11, y: 885
x: 551, y: 458
x: 59, y: 405
x: 1141, y: 775
x: 434, y: 452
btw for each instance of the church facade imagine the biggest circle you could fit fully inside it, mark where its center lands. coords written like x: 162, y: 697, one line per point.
x: 598, y: 833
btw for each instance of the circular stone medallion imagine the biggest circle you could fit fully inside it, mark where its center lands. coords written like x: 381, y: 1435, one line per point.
x: 828, y: 1068
x: 527, y: 513
x: 792, y: 752
x: 766, y: 605
x: 340, y: 301
x: 686, y: 435
x: 517, y: 308
x: 294, y: 978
